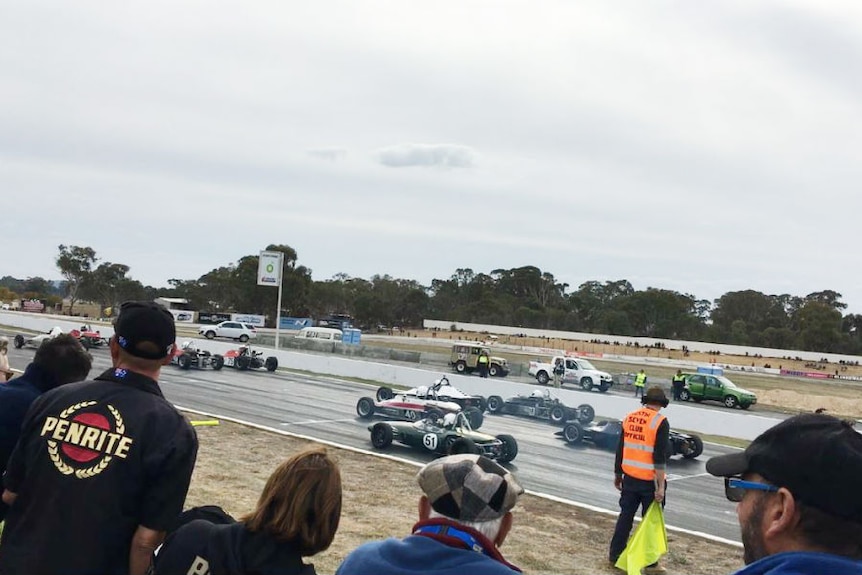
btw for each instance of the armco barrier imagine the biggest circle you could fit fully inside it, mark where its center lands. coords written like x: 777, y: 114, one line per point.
x: 726, y: 422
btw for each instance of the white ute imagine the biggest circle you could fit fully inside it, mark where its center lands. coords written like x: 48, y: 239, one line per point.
x: 578, y: 371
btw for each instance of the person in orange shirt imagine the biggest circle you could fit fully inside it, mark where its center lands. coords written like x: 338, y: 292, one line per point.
x: 639, y: 469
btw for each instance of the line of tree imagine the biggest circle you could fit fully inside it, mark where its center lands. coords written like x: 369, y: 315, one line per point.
x: 525, y: 297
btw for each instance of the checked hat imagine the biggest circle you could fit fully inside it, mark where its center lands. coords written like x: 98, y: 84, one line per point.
x: 468, y: 487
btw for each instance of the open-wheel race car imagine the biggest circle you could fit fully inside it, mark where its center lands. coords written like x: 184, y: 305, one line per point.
x: 606, y: 434
x: 540, y: 404
x: 441, y: 390
x: 244, y: 358
x: 89, y: 337
x: 34, y: 341
x: 189, y: 356
x: 446, y: 436
x: 413, y: 408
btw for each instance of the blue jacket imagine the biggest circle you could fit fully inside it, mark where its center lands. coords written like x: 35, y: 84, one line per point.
x: 803, y: 563
x: 16, y: 396
x: 421, y: 555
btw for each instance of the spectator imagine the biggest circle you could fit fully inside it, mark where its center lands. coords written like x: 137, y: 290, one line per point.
x: 5, y: 371
x: 58, y: 361
x: 639, y: 469
x: 102, y: 466
x: 296, y: 516
x: 465, y: 514
x: 796, y: 488
x: 640, y: 383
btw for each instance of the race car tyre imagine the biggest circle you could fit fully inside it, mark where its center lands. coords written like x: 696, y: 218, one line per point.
x: 685, y: 395
x: 243, y: 362
x: 494, y: 370
x: 433, y: 414
x: 217, y: 362
x: 586, y: 413
x: 461, y: 367
x: 483, y: 404
x: 243, y: 338
x: 730, y: 401
x: 365, y: 408
x: 510, y: 448
x: 85, y: 342
x: 542, y: 378
x: 696, y: 447
x: 558, y: 414
x: 474, y: 417
x: 587, y: 383
x: 384, y: 393
x: 184, y: 361
x: 271, y: 363
x: 463, y: 445
x: 573, y: 432
x: 209, y: 334
x: 603, y: 388
x: 381, y: 436
x: 19, y: 341
x: 495, y: 404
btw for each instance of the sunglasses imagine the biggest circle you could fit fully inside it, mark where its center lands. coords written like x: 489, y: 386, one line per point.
x: 735, y: 488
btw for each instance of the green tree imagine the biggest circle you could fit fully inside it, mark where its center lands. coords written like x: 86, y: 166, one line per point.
x: 75, y: 264
x: 820, y: 327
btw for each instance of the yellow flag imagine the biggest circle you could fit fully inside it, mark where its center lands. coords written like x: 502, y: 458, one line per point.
x: 648, y: 543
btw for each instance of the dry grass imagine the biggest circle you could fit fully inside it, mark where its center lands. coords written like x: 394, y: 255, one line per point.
x: 381, y: 498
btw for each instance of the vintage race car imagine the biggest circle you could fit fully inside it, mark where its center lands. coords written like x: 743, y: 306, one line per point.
x: 34, y: 341
x: 606, y: 434
x: 441, y: 390
x: 446, y: 436
x: 189, y: 356
x: 244, y: 358
x: 541, y: 405
x: 89, y: 337
x: 413, y: 408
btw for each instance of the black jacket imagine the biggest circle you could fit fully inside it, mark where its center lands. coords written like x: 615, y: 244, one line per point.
x: 227, y: 550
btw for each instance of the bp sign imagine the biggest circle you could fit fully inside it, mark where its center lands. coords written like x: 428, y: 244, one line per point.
x: 269, y: 269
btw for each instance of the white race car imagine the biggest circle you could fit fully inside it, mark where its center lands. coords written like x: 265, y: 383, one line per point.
x: 442, y: 390
x: 35, y: 341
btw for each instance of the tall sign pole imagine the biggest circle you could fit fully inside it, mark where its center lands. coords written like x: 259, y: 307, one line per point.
x: 269, y: 267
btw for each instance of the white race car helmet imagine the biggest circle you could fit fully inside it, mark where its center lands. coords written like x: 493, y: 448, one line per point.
x: 449, y: 420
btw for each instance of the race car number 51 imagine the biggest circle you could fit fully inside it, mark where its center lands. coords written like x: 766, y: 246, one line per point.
x: 429, y: 440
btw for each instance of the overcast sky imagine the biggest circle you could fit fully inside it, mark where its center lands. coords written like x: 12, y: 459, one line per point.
x: 702, y: 147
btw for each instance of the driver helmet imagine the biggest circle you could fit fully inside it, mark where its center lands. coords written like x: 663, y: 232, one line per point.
x: 449, y: 420
x: 422, y: 391
x: 187, y: 345
x: 536, y: 393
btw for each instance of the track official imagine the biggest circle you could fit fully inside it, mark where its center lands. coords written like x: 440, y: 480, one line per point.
x: 102, y: 466
x: 640, y: 382
x: 678, y: 384
x: 639, y: 469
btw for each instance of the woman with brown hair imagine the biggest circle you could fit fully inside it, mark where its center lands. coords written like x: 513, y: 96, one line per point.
x: 296, y: 516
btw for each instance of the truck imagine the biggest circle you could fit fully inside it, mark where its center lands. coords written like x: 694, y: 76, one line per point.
x: 465, y: 359
x: 579, y: 371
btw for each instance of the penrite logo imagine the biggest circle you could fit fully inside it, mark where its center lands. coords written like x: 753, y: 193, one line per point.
x: 83, y: 444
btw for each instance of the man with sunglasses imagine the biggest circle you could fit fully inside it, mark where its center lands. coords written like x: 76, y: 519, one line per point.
x: 798, y: 490
x: 639, y: 469
x: 102, y: 466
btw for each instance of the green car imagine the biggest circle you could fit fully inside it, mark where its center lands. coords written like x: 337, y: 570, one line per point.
x: 446, y: 436
x: 706, y: 387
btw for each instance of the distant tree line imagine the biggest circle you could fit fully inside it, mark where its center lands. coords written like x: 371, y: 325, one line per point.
x: 523, y: 297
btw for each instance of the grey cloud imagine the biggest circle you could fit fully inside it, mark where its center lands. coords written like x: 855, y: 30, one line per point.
x: 329, y: 154
x: 443, y: 155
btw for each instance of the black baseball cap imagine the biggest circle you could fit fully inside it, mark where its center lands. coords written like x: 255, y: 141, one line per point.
x: 817, y: 457
x: 145, y: 329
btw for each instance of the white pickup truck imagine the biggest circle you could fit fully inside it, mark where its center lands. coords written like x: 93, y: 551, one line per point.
x: 578, y: 371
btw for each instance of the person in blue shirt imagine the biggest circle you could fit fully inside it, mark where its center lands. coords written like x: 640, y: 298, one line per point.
x: 797, y: 495
x: 58, y: 361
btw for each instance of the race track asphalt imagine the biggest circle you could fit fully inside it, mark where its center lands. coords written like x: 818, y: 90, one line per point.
x: 325, y: 408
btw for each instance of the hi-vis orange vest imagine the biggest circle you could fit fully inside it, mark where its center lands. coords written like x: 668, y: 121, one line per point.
x: 639, y: 433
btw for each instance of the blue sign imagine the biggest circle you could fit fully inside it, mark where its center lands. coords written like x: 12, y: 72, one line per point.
x: 296, y: 323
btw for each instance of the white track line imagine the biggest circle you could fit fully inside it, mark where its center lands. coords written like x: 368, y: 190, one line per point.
x: 416, y: 464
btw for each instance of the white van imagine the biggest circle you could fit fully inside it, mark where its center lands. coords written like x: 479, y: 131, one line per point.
x: 321, y: 333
